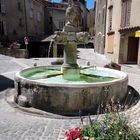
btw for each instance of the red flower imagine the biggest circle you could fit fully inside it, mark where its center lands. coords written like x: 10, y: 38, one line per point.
x: 118, y: 67
x: 73, y: 134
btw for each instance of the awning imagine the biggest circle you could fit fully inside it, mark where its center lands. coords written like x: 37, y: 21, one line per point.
x: 129, y: 29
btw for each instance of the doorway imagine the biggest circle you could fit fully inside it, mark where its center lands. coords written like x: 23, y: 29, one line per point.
x: 132, y: 54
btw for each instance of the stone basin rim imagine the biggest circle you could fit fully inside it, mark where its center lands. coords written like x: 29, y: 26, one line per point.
x: 22, y: 79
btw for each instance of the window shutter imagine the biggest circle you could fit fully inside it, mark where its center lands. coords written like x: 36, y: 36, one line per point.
x: 1, y: 28
x: 38, y: 16
x: 5, y: 28
x: 128, y: 13
x: 110, y: 19
x: 2, y: 6
x: 31, y: 5
x: 123, y: 13
x: 31, y: 13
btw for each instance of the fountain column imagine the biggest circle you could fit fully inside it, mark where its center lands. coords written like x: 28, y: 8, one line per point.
x: 70, y: 67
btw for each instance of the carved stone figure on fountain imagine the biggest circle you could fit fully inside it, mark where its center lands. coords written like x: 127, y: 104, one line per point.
x: 73, y: 18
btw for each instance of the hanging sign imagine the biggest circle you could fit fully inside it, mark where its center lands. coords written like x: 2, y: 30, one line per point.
x: 137, y: 33
x: 26, y: 40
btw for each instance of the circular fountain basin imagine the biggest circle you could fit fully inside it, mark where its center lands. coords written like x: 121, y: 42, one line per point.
x: 44, y: 88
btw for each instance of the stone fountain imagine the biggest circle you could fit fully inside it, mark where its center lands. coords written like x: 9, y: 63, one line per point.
x: 67, y: 89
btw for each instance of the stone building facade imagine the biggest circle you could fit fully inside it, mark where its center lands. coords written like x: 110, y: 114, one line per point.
x: 123, y: 31
x: 91, y: 22
x: 23, y: 18
x: 84, y: 13
x: 3, y: 29
x: 54, y: 16
x: 100, y: 25
x: 35, y: 17
x: 81, y: 1
x: 82, y: 4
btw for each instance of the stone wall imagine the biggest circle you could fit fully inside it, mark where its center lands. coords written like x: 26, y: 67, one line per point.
x: 18, y: 53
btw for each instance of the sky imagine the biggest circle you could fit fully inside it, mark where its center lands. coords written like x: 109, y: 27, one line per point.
x: 90, y: 3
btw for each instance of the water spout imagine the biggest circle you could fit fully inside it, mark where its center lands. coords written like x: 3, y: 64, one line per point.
x: 49, y: 50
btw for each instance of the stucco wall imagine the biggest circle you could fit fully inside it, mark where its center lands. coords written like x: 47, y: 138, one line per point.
x: 135, y: 13
x: 120, y: 45
x: 100, y: 25
x: 116, y: 18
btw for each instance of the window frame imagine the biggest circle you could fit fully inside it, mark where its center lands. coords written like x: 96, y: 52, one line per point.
x: 125, y: 13
x: 1, y: 28
x: 110, y: 17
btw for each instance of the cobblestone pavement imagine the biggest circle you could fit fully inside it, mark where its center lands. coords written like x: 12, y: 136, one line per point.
x: 17, y: 125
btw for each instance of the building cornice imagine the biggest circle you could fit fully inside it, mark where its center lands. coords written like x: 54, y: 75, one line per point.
x: 129, y: 29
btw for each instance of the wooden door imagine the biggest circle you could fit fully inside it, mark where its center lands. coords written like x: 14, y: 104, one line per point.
x: 132, y: 54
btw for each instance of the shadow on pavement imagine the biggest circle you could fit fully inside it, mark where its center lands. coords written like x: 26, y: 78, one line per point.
x: 5, y: 83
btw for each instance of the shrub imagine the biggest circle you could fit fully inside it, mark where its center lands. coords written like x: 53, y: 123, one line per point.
x: 114, y: 126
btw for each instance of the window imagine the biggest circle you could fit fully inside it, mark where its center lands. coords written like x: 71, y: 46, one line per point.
x: 19, y: 6
x: 31, y: 5
x: 38, y: 16
x: 2, y: 6
x: 103, y: 14
x: 110, y: 19
x: 1, y: 28
x: 50, y: 20
x: 20, y: 22
x: 110, y: 44
x: 31, y: 13
x: 99, y: 17
x: 61, y: 25
x: 126, y: 11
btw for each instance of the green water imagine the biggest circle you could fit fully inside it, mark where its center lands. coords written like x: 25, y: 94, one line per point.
x: 53, y: 75
x: 39, y: 73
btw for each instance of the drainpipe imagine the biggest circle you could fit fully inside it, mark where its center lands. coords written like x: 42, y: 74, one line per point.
x: 26, y: 28
x: 25, y: 14
x: 105, y: 27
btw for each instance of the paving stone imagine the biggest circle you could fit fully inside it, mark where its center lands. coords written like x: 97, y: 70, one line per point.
x: 15, y: 125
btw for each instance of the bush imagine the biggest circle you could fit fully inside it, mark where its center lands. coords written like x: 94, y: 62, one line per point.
x: 114, y: 126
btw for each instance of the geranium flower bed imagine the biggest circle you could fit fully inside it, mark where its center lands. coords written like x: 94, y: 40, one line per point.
x: 112, y: 127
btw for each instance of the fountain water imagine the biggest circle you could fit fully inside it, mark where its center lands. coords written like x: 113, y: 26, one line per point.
x: 66, y: 90
x: 50, y: 46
